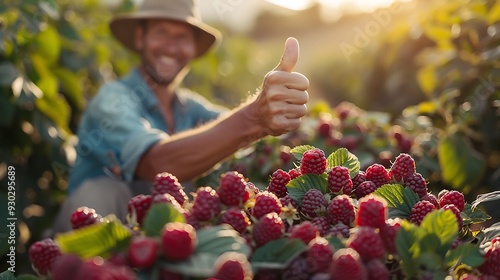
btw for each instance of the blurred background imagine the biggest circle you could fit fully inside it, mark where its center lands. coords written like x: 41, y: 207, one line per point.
x: 387, y: 76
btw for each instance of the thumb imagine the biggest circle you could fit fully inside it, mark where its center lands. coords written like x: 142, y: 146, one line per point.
x: 290, y: 56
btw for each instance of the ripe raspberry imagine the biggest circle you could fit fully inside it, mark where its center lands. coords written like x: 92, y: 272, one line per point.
x: 339, y: 180
x: 142, y: 252
x: 192, y: 220
x: 365, y: 188
x: 166, y: 274
x: 319, y: 254
x: 432, y: 199
x: 65, y: 266
x: 339, y: 230
x: 97, y: 268
x: 441, y: 193
x: 237, y: 218
x: 287, y: 200
x: 165, y: 182
x: 298, y: 269
x: 278, y: 183
x: 323, y: 225
x: 266, y: 202
x: 167, y: 198
x: 178, y: 241
x: 294, y: 173
x: 455, y: 211
x: 367, y: 242
x: 232, y: 189
x: 377, y: 270
x: 420, y: 210
x: 313, y: 203
x: 305, y: 231
x: 313, y: 161
x: 206, y: 204
x: 84, y: 216
x: 358, y: 179
x: 347, y: 264
x: 403, y: 167
x: 453, y: 197
x: 232, y: 266
x: 43, y: 254
x: 268, y: 274
x: 140, y: 204
x: 491, y: 266
x: 341, y: 210
x: 269, y: 227
x: 388, y: 233
x: 372, y: 211
x: 417, y: 183
x: 377, y: 174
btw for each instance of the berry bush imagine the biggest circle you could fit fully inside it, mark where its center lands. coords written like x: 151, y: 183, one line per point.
x: 327, y: 218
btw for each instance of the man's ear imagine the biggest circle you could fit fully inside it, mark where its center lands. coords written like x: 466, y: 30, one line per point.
x: 138, y: 37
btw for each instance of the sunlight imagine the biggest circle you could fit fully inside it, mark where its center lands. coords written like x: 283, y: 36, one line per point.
x: 292, y: 4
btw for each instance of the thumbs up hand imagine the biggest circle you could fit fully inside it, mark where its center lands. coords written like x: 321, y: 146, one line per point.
x: 282, y: 99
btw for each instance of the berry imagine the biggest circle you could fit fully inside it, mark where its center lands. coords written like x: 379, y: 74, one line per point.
x: 372, y: 211
x: 322, y: 224
x: 178, y: 241
x: 319, y: 254
x: 232, y: 189
x: 305, y: 231
x: 97, y: 268
x: 139, y: 205
x: 339, y: 230
x: 339, y: 180
x: 84, y: 216
x: 403, y: 167
x: 192, y: 220
x: 341, y: 210
x: 313, y: 203
x: 358, y: 179
x: 237, y: 218
x: 232, y: 266
x: 388, y: 233
x: 367, y: 242
x: 251, y: 188
x: 167, y: 198
x: 166, y: 274
x: 420, y: 210
x: 43, y: 254
x: 453, y: 197
x: 206, y: 204
x: 269, y: 227
x: 294, y: 173
x: 278, y: 183
x: 376, y: 270
x: 432, y: 199
x: 298, y: 269
x: 287, y: 200
x: 65, y: 266
x: 377, y: 174
x: 491, y: 266
x: 266, y: 202
x: 365, y: 188
x: 142, y: 252
x: 313, y: 161
x: 454, y: 209
x: 165, y: 182
x: 417, y: 183
x: 347, y: 264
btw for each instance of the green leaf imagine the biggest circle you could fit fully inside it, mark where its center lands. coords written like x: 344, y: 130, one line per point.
x: 300, y: 185
x: 7, y: 275
x: 277, y: 254
x: 427, y: 79
x: 27, y: 277
x: 96, y: 240
x: 335, y: 242
x: 299, y: 151
x: 159, y: 215
x: 475, y: 216
x: 441, y: 223
x: 467, y: 253
x: 406, y: 240
x: 199, y: 265
x: 400, y: 200
x: 342, y: 157
x: 491, y: 232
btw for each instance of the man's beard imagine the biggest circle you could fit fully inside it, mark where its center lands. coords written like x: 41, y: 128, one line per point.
x: 157, y: 79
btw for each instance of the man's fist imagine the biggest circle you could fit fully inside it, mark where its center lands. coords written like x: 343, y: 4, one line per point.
x: 281, y: 102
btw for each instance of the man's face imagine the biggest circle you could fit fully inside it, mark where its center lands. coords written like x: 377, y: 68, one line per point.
x: 166, y: 47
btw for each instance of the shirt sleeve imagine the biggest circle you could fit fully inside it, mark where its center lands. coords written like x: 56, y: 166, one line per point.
x: 200, y: 107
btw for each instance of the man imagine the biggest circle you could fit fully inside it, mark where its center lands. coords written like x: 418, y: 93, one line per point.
x: 144, y: 123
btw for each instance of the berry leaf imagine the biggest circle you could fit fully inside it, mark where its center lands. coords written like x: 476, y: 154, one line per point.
x: 159, y: 215
x: 442, y: 224
x: 405, y: 240
x: 299, y: 151
x: 298, y: 187
x: 475, y: 216
x: 277, y: 254
x: 342, y: 157
x: 400, y: 200
x: 7, y: 275
x: 467, y: 253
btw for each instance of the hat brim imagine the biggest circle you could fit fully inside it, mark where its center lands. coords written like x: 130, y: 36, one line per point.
x: 123, y: 29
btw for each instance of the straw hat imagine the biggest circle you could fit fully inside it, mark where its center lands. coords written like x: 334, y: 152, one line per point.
x: 187, y: 11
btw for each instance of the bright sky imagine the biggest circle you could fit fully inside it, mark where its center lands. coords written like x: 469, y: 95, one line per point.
x: 366, y: 5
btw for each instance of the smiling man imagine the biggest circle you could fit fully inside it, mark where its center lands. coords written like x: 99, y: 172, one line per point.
x: 145, y: 123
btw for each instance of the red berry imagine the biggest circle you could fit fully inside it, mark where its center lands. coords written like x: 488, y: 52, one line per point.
x: 298, y: 269
x: 420, y: 210
x: 323, y: 225
x: 388, y: 233
x: 367, y: 242
x: 417, y: 183
x: 403, y: 167
x: 313, y: 203
x: 237, y: 218
x: 266, y: 202
x: 192, y: 220
x: 339, y: 180
x: 142, y: 252
x: 491, y: 266
x: 287, y: 200
x: 377, y: 270
x: 341, y: 210
x: 232, y: 266
x: 43, y: 254
x: 269, y: 227
x: 372, y: 211
x: 278, y: 183
x: 294, y: 173
x: 365, y: 188
x: 377, y: 174
x: 432, y: 199
x: 319, y: 254
x: 167, y: 198
x: 454, y: 209
x: 140, y: 205
x: 339, y: 230
x: 453, y: 197
x: 358, y: 179
x: 84, y: 216
x: 313, y: 161
x: 167, y: 183
x: 305, y: 231
x: 178, y: 241
x: 97, y: 268
x: 324, y: 128
x: 206, y: 204
x: 347, y: 264
x: 65, y: 266
x: 232, y: 189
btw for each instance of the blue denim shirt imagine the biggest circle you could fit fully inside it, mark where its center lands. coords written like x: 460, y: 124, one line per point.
x: 124, y: 120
